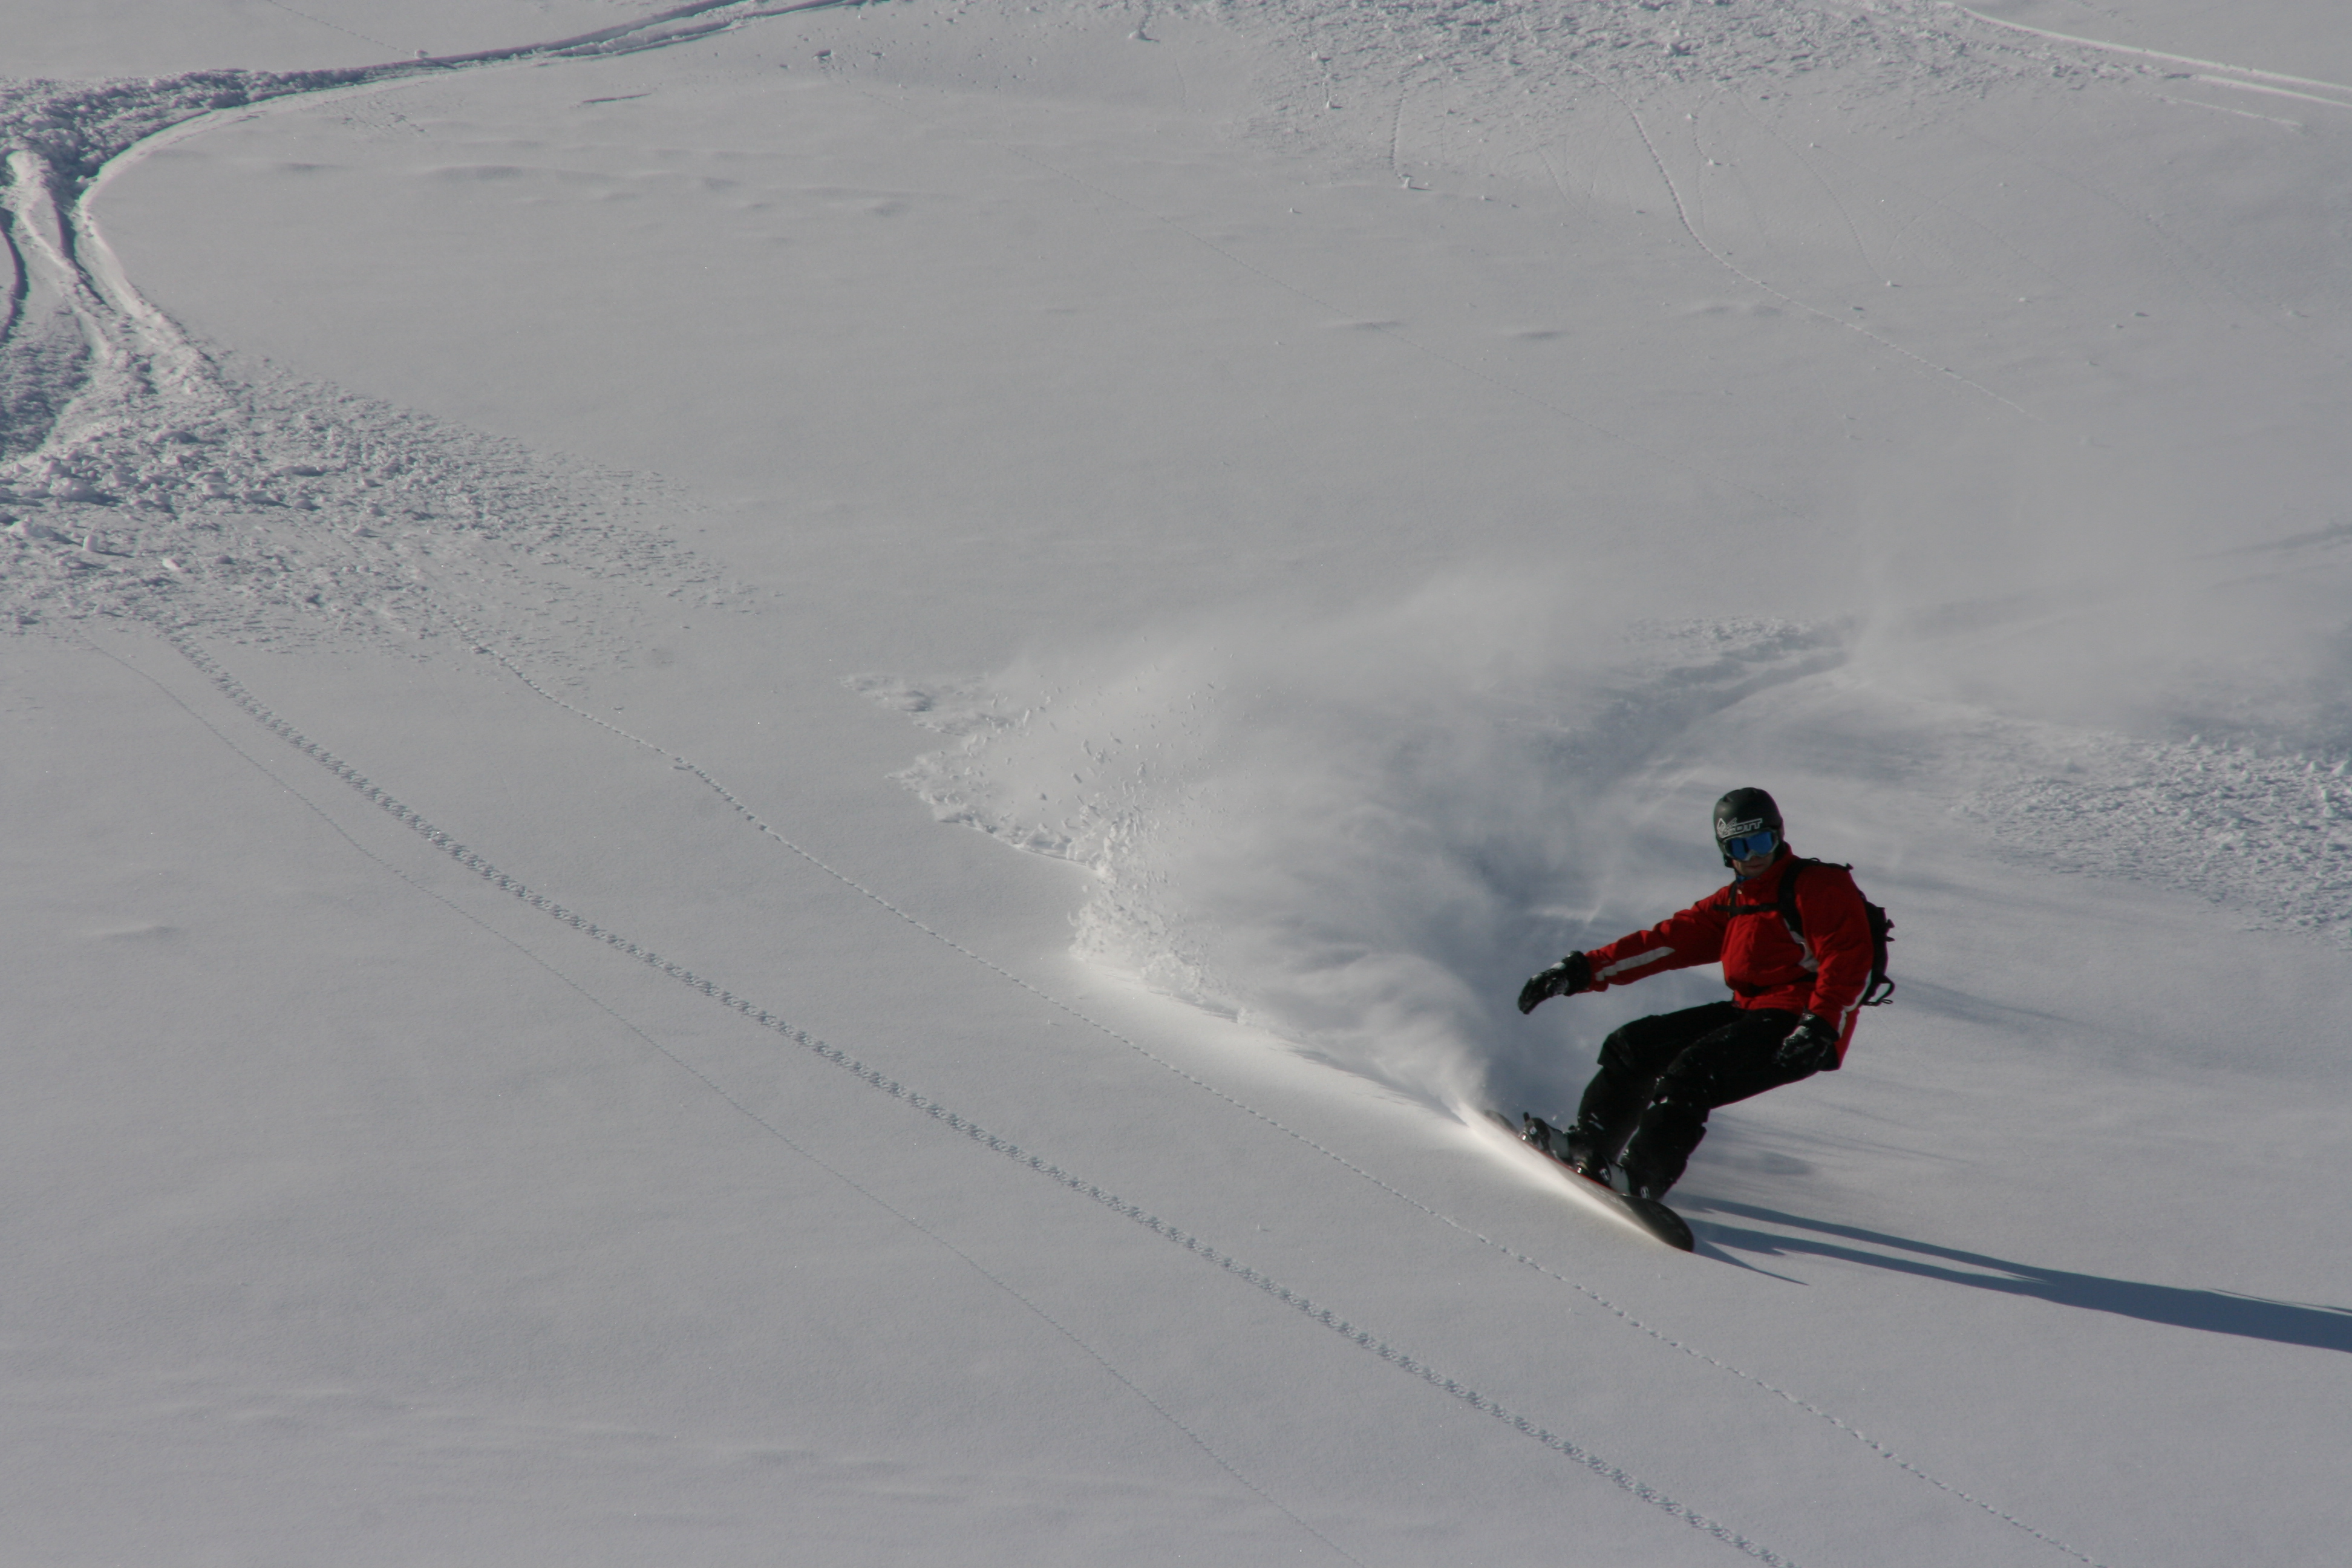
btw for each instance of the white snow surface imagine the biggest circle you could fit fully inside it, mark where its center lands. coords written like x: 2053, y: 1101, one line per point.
x: 536, y: 530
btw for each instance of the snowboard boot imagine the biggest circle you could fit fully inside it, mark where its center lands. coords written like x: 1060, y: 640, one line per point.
x: 1577, y: 1148
x: 1644, y: 1181
x: 1542, y: 1136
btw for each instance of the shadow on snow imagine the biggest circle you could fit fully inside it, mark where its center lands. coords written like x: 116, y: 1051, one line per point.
x: 2213, y: 1311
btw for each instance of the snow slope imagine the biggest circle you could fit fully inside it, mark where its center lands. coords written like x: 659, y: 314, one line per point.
x: 500, y: 1071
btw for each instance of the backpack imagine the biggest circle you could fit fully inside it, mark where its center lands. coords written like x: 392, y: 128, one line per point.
x: 1881, y: 990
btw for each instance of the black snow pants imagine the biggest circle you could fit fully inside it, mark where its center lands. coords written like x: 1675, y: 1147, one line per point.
x: 1646, y: 1109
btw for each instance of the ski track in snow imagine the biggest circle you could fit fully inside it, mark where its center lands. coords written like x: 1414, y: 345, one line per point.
x: 142, y: 474
x: 2335, y: 95
x: 1692, y: 228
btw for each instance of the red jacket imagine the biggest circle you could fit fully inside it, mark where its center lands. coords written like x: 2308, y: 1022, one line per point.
x: 1765, y: 963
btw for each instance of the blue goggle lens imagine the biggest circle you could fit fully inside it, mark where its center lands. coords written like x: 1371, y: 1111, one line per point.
x: 1750, y: 845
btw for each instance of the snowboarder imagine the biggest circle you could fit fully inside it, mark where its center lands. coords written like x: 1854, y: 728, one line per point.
x: 1795, y: 990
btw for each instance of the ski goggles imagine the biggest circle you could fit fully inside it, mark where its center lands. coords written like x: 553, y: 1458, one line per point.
x: 1749, y: 846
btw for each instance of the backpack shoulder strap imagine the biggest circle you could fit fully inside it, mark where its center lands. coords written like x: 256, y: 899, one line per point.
x: 1789, y: 892
x: 1880, y: 990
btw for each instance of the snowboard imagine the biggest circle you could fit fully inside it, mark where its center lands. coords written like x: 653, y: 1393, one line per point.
x: 1648, y: 1212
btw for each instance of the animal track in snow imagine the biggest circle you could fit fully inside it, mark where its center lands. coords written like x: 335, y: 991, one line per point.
x: 1226, y: 1262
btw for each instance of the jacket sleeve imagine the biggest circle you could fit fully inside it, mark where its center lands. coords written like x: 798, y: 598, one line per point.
x: 1679, y: 942
x: 1837, y: 929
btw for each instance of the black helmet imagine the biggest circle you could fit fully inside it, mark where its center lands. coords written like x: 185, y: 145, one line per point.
x: 1741, y: 813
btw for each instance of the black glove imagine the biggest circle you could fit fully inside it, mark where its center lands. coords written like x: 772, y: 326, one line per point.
x: 1566, y: 978
x: 1811, y: 1046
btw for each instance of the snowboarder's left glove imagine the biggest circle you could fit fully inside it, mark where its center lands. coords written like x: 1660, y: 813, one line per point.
x: 1811, y: 1046
x: 1566, y: 978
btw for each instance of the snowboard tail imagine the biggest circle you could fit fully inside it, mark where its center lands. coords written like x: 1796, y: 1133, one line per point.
x: 1648, y: 1212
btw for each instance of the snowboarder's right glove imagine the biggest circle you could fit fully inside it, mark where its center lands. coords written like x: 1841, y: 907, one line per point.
x: 1811, y: 1046
x: 1566, y: 978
